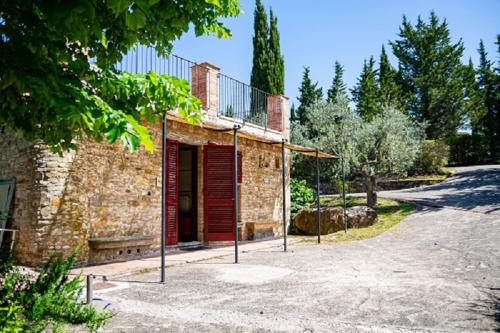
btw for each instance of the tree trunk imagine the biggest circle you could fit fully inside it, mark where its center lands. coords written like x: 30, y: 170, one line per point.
x: 371, y: 190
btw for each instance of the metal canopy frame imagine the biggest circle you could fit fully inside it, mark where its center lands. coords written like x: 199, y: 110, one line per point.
x: 316, y: 153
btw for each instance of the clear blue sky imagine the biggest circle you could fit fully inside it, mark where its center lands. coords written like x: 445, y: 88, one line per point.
x: 315, y: 33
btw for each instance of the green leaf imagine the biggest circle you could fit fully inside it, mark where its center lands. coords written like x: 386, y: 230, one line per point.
x: 142, y: 133
x: 104, y: 41
x: 213, y: 2
x: 118, y: 6
x: 135, y: 20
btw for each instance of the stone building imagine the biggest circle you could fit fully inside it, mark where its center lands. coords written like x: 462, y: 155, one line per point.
x: 107, y: 201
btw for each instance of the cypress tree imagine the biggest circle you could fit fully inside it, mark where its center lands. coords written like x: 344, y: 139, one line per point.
x: 474, y: 101
x: 276, y: 64
x: 259, y: 77
x: 310, y: 94
x: 365, y: 93
x: 488, y: 87
x: 338, y: 86
x: 431, y: 71
x: 293, y: 113
x: 389, y: 91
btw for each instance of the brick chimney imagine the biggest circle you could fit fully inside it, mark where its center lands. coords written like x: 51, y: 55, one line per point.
x: 277, y: 114
x: 205, y: 86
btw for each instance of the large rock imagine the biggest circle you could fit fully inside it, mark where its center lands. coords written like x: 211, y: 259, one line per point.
x: 361, y: 216
x: 332, y: 219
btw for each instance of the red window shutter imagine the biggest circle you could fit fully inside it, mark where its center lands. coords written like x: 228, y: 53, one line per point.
x: 218, y: 200
x: 172, y: 186
x: 240, y: 167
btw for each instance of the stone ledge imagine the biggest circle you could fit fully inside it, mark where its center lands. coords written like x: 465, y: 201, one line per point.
x: 105, y: 243
x: 259, y: 231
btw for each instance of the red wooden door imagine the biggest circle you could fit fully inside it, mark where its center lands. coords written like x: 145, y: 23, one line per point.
x: 218, y: 200
x: 172, y: 192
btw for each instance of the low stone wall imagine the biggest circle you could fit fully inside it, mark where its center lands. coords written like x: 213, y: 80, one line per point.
x: 357, y: 186
x: 332, y: 219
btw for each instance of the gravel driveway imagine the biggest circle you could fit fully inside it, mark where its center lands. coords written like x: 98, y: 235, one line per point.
x: 437, y: 271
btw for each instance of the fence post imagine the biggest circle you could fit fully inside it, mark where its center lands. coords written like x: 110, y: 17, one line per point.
x: 283, y: 185
x: 318, y: 214
x: 235, y: 184
x: 90, y: 288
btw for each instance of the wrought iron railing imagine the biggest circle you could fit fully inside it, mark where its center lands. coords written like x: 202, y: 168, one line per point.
x: 240, y: 101
x: 143, y: 59
x: 237, y: 100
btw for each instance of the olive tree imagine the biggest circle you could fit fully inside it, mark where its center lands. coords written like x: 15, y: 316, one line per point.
x: 327, y: 126
x: 388, y: 144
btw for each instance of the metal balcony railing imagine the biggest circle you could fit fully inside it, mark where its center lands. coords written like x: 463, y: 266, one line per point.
x: 236, y: 99
x: 240, y: 101
x: 143, y: 59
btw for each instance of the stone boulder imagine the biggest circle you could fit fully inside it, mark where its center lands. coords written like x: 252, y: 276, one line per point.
x: 332, y: 219
x: 361, y: 216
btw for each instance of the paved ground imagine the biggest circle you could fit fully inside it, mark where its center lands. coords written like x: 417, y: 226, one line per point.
x: 474, y: 188
x: 437, y: 271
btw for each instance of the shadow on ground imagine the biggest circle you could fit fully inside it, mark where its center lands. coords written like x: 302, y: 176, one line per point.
x: 476, y: 188
x: 490, y: 307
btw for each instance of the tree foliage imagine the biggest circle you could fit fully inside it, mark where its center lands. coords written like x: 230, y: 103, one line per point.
x: 486, y: 120
x: 431, y: 75
x: 474, y: 102
x: 366, y: 93
x: 51, y: 91
x: 310, y: 94
x: 338, y: 86
x: 388, y: 144
x: 260, y: 77
x: 276, y: 61
x: 389, y: 92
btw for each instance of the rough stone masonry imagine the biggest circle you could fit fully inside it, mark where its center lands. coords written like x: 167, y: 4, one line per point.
x: 107, y: 201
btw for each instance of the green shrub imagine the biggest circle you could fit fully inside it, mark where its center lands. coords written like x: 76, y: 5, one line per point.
x: 338, y: 186
x: 10, y: 319
x: 467, y: 149
x: 301, y: 195
x: 433, y: 156
x: 49, y: 300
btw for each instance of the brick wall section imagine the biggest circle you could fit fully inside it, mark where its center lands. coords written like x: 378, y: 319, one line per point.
x: 277, y: 114
x: 205, y: 86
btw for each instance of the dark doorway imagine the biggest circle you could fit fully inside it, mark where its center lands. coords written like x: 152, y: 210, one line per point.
x: 188, y: 177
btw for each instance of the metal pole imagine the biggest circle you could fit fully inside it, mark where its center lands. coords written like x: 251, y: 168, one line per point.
x: 318, y: 223
x: 235, y: 184
x: 283, y: 185
x: 163, y: 197
x: 90, y: 287
x: 343, y: 193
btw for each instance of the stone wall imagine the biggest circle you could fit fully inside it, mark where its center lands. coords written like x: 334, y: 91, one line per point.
x: 18, y: 160
x: 384, y: 184
x: 102, y: 191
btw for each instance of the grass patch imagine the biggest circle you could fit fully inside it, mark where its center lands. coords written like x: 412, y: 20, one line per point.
x: 389, y: 212
x: 444, y: 173
x: 421, y: 178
